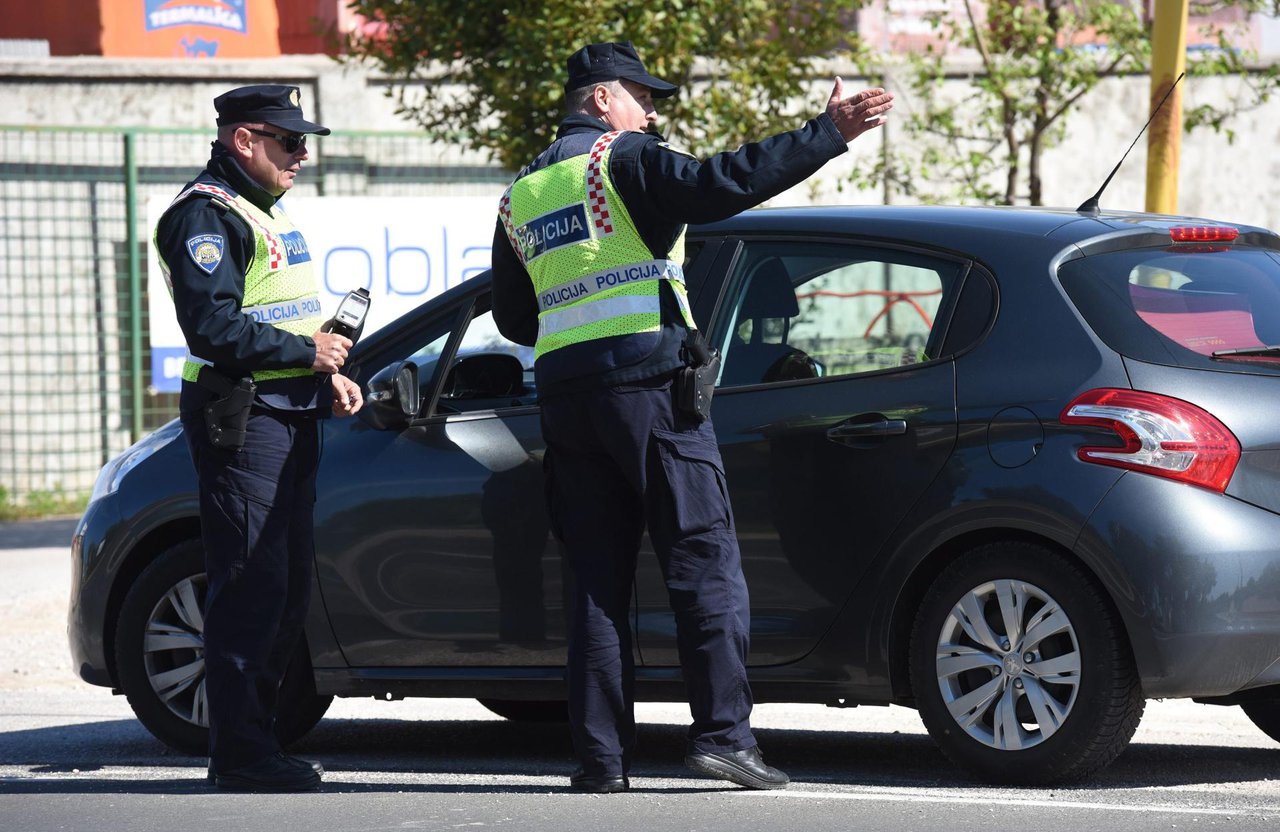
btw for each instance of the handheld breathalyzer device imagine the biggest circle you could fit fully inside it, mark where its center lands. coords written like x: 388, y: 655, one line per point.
x: 348, y: 321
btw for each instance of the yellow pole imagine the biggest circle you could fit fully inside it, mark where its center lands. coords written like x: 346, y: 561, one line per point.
x: 1168, y: 60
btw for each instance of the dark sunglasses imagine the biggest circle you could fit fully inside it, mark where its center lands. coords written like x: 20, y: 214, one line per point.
x: 289, y: 141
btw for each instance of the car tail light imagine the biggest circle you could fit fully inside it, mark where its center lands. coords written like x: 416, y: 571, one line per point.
x: 1203, y: 234
x: 1163, y: 436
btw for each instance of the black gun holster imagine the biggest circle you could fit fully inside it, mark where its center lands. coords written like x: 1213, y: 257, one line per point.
x: 226, y: 417
x: 696, y: 383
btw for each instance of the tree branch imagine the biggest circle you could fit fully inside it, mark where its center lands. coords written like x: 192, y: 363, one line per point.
x: 977, y: 37
x: 1068, y: 103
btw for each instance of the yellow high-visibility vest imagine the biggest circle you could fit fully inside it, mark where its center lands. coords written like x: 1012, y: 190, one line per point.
x: 279, y: 286
x: 592, y: 272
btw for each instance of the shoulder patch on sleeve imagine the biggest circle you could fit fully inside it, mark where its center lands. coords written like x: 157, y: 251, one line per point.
x: 667, y: 146
x: 206, y: 251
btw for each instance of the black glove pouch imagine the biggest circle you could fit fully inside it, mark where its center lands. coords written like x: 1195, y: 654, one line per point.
x: 696, y: 383
x: 227, y: 417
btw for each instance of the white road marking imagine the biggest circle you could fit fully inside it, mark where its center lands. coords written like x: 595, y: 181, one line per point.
x: 925, y: 797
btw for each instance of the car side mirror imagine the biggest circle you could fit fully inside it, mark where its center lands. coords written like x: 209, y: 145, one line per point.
x: 394, y: 398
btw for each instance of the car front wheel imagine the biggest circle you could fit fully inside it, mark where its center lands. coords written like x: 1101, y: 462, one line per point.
x: 159, y: 647
x: 1019, y: 668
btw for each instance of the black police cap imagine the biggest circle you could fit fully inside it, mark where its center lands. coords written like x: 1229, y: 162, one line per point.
x: 600, y: 62
x: 277, y: 104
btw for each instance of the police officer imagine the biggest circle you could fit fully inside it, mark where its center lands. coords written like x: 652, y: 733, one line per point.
x: 587, y: 267
x: 248, y: 305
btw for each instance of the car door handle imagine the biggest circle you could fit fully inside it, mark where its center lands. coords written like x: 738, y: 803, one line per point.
x: 867, y: 430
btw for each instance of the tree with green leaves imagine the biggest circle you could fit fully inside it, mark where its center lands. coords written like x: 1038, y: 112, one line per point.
x: 1040, y: 60
x: 491, y: 75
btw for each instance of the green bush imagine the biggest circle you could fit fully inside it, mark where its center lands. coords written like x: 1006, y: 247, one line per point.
x: 36, y: 504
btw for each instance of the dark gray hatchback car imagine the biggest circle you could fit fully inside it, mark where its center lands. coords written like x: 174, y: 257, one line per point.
x: 1018, y: 469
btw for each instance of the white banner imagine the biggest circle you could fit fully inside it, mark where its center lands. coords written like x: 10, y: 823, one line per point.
x: 404, y: 250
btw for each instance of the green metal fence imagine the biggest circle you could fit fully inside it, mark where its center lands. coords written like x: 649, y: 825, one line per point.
x: 74, y: 352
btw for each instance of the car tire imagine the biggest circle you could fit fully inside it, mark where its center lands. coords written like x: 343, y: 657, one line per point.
x: 518, y: 710
x: 159, y: 644
x: 1059, y: 700
x: 1264, y: 713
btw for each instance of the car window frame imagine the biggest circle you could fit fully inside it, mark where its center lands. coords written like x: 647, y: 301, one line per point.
x: 977, y: 271
x: 388, y: 345
x: 392, y: 348
x: 731, y: 252
x: 701, y: 271
x: 428, y: 414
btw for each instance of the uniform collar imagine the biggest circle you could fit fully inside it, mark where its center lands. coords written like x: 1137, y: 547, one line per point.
x: 580, y: 123
x: 224, y: 166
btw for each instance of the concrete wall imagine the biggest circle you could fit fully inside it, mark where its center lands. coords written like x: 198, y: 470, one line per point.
x: 90, y: 91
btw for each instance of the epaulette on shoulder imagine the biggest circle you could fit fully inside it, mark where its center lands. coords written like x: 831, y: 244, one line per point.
x: 668, y: 146
x: 219, y: 199
x: 216, y: 203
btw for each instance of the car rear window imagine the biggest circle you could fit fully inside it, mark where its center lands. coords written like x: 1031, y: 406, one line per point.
x: 1184, y: 306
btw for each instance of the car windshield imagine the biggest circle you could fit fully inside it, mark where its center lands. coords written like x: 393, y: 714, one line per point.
x: 1205, y: 306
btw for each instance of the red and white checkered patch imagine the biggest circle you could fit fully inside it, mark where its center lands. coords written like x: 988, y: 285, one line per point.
x: 225, y: 196
x: 504, y: 211
x: 597, y: 198
x: 275, y: 252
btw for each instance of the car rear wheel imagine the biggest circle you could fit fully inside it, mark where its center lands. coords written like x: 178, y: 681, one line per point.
x: 159, y: 648
x: 532, y: 711
x: 1020, y: 669
x: 1265, y: 713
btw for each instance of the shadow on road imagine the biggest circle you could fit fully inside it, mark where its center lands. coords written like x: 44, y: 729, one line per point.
x: 400, y: 747
x: 38, y: 534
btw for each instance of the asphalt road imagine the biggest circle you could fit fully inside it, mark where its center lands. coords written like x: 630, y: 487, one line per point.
x: 73, y: 758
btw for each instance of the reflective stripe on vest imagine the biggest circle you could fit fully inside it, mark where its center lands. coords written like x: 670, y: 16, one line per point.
x: 592, y: 272
x: 285, y: 310
x: 582, y: 314
x: 606, y: 279
x: 277, y: 292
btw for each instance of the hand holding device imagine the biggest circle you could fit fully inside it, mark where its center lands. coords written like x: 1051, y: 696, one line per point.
x: 341, y: 332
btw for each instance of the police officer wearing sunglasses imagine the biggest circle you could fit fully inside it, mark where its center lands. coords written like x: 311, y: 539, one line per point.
x: 587, y: 268
x: 258, y: 373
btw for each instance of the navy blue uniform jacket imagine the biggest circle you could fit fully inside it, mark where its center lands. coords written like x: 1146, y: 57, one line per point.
x: 664, y: 190
x: 208, y: 303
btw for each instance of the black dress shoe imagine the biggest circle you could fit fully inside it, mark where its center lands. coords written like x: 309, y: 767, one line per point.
x: 746, y: 768
x: 297, y: 762
x: 301, y: 763
x: 276, y: 773
x: 603, y: 784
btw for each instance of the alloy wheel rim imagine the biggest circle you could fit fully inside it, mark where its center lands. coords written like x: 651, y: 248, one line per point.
x: 1008, y: 664
x: 173, y: 650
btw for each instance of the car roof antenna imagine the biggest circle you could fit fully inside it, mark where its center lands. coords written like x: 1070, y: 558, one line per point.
x: 1090, y: 206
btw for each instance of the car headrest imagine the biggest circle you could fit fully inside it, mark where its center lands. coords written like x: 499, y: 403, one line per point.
x: 769, y: 294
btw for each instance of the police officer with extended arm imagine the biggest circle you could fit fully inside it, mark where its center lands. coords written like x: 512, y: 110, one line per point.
x: 587, y: 267
x: 258, y: 373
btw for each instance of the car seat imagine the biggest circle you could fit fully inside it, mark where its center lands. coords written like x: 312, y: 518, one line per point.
x: 769, y: 295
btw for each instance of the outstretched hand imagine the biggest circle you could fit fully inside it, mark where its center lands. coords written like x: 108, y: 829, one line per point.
x: 860, y: 112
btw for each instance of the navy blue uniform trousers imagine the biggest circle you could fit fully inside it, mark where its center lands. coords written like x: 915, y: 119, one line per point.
x: 618, y: 459
x: 256, y: 523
